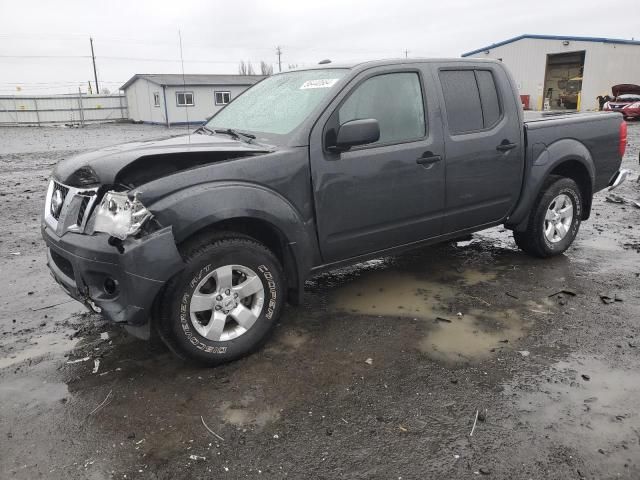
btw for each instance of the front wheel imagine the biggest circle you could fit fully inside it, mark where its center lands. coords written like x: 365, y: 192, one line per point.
x: 554, y: 220
x: 225, y: 302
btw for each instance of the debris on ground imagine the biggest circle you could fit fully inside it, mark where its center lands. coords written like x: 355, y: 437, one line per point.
x: 608, y: 298
x: 78, y: 360
x: 197, y: 458
x: 564, y: 291
x: 369, y: 361
x: 613, y: 198
x: 102, y: 405
x: 474, y: 423
x: 585, y: 377
x: 524, y: 353
x: 442, y: 319
x: 210, y: 431
x: 96, y: 365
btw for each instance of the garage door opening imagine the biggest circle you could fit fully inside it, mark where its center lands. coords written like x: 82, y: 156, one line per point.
x: 563, y: 81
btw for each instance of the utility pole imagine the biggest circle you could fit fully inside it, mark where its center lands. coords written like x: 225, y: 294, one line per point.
x: 279, y: 53
x: 406, y: 53
x: 95, y: 72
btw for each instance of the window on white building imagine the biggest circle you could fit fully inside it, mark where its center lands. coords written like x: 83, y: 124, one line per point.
x: 222, y: 98
x: 184, y: 99
x: 156, y: 99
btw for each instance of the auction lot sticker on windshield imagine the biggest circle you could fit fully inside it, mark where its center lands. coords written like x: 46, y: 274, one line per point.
x: 320, y: 83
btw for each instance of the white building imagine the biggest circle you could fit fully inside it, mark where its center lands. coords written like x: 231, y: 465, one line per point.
x: 566, y: 72
x: 171, y: 99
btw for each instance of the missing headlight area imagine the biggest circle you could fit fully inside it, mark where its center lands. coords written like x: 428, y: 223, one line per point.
x: 151, y: 167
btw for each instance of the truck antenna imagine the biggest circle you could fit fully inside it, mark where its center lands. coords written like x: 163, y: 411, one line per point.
x: 184, y: 88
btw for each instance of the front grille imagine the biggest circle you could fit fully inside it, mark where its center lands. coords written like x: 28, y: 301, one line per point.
x: 82, y: 210
x: 72, y: 214
x: 63, y: 191
x: 62, y: 263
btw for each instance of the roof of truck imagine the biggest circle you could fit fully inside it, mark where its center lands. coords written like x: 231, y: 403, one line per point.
x: 394, y: 61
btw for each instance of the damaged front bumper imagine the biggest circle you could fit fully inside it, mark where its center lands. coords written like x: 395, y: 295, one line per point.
x: 122, y: 281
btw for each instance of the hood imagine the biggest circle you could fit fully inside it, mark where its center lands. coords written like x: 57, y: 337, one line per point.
x: 133, y: 164
x: 625, y: 88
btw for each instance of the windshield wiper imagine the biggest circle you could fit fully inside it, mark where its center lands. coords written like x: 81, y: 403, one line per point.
x: 203, y: 128
x: 236, y: 134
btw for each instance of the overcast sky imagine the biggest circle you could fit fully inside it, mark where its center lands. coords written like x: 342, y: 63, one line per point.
x: 44, y: 45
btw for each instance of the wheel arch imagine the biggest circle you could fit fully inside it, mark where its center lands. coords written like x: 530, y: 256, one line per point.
x: 567, y: 158
x: 248, y: 209
x: 262, y: 231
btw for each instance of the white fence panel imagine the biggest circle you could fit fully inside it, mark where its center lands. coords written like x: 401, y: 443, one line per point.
x: 44, y: 109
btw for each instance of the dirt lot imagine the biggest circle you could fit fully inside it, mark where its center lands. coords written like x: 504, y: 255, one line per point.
x: 361, y: 381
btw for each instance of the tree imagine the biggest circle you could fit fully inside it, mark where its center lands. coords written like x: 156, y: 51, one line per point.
x: 245, y: 68
x: 265, y: 68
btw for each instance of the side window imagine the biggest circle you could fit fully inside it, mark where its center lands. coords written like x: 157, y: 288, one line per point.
x: 491, y: 111
x: 394, y: 100
x: 184, y: 99
x: 156, y: 99
x: 461, y: 100
x: 222, y: 98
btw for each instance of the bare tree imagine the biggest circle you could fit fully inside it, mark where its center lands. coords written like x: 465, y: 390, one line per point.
x: 245, y: 68
x: 265, y: 68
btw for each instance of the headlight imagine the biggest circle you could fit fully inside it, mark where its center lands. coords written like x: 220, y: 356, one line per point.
x: 119, y: 216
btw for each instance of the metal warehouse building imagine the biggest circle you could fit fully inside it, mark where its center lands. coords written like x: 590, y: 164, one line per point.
x: 559, y: 72
x: 174, y: 99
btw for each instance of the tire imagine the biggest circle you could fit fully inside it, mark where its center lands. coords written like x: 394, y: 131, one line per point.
x: 541, y: 237
x: 221, y: 270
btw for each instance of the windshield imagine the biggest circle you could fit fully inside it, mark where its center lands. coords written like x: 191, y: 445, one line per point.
x: 278, y: 104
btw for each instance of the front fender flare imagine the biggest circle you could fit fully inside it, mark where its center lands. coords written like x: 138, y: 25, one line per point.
x: 193, y: 209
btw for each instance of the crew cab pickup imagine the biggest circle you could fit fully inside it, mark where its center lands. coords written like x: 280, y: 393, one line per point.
x: 204, y: 237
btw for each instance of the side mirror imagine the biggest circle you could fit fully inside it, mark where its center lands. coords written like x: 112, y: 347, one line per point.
x: 357, y: 132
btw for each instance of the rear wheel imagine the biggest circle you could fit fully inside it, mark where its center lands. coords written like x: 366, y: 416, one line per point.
x: 225, y: 302
x: 554, y: 220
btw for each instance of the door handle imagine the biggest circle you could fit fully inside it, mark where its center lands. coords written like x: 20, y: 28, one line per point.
x: 428, y: 159
x: 506, y: 145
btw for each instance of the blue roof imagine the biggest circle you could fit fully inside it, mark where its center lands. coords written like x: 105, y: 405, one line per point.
x: 553, y: 37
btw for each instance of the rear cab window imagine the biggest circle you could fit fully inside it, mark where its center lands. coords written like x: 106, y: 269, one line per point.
x: 471, y: 100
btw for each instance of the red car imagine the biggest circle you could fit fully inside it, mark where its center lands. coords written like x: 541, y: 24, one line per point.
x: 626, y: 100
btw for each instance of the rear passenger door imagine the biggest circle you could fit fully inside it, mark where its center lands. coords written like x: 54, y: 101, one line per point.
x: 483, y: 144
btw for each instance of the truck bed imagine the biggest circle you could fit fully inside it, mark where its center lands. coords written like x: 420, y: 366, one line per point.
x: 597, y: 132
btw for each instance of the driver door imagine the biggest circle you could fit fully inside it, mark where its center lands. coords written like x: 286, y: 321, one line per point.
x: 388, y: 193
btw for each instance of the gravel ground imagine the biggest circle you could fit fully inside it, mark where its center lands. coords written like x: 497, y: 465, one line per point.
x: 359, y: 382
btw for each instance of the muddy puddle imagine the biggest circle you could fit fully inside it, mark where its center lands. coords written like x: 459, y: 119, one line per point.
x: 586, y: 401
x: 31, y: 392
x: 50, y: 345
x: 248, y: 413
x: 455, y: 331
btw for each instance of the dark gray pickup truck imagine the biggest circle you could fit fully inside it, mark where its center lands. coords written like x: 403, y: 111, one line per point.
x: 202, y: 238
